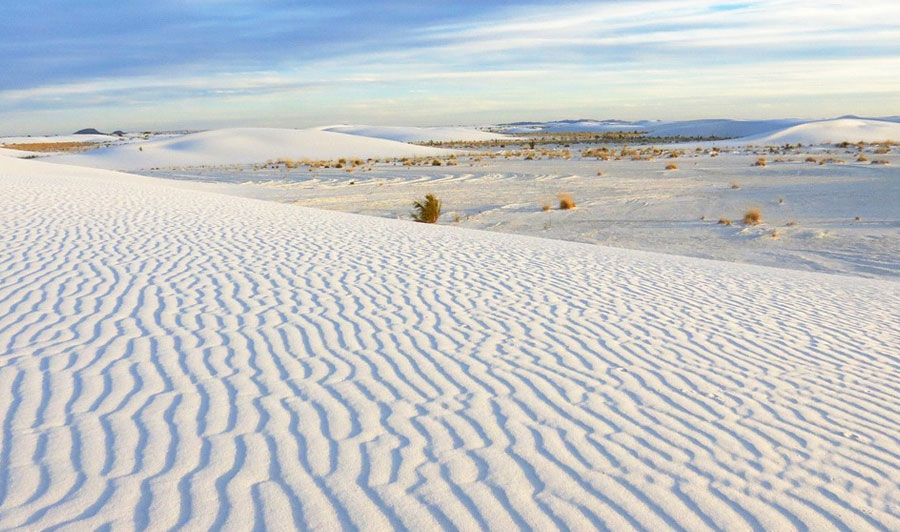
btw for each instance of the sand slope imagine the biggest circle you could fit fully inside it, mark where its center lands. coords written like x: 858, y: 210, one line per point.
x: 831, y: 132
x: 242, y: 145
x: 181, y: 360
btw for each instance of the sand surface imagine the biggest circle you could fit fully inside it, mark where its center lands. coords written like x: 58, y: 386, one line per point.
x: 175, y: 359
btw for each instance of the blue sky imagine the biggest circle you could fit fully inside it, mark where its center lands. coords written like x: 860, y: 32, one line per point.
x: 165, y: 64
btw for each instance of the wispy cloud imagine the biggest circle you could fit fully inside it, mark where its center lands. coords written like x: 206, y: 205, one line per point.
x: 276, y: 60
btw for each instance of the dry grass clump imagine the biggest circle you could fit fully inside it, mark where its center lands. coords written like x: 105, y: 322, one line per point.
x: 752, y: 217
x: 884, y: 162
x: 861, y: 158
x: 882, y: 150
x: 724, y: 221
x: 427, y: 211
x: 52, y: 146
x: 760, y: 162
x: 811, y: 160
x: 566, y: 201
x: 546, y: 207
x: 735, y: 185
x: 671, y: 166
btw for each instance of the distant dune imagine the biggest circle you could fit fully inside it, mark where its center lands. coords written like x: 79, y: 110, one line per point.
x: 831, y: 131
x: 242, y: 146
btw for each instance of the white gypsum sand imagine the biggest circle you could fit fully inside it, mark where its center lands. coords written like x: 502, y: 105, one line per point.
x: 244, y: 145
x: 199, y: 361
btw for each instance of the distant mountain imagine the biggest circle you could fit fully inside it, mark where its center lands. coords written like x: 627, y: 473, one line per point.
x: 89, y: 131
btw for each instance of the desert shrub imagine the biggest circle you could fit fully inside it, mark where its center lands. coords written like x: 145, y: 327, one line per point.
x: 881, y: 161
x: 735, y: 185
x: 566, y: 201
x: 760, y: 162
x: 724, y: 221
x: 752, y: 217
x: 862, y: 158
x: 427, y: 211
x: 671, y: 166
x: 435, y: 162
x: 882, y: 150
x: 811, y: 160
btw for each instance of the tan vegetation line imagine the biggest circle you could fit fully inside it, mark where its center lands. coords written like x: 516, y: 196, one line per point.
x: 52, y: 146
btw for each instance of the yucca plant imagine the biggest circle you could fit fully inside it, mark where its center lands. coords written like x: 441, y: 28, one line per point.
x: 427, y: 211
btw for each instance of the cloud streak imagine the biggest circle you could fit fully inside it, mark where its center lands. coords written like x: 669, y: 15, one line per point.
x: 270, y: 61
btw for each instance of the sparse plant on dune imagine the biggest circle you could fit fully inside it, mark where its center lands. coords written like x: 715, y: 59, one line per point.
x: 566, y: 201
x: 671, y: 166
x: 724, y: 221
x: 752, y: 217
x: 427, y: 211
x: 735, y: 185
x: 761, y: 162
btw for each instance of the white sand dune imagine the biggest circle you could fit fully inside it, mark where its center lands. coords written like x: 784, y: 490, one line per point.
x: 242, y: 146
x: 720, y: 128
x: 418, y: 134
x: 184, y: 360
x: 830, y: 132
x: 19, y: 154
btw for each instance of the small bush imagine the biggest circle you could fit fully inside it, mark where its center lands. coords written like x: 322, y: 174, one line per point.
x: 724, y: 221
x: 735, y: 185
x: 752, y: 217
x: 862, y: 158
x: 760, y: 162
x: 427, y: 211
x: 811, y: 160
x: 566, y: 201
x: 546, y: 207
x: 671, y: 166
x: 881, y: 161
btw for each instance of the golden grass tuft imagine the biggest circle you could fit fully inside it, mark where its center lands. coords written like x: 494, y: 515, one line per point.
x: 724, y: 221
x: 752, y: 217
x: 671, y: 166
x: 566, y: 201
x: 761, y: 162
x: 427, y: 211
x: 52, y: 146
x: 735, y: 185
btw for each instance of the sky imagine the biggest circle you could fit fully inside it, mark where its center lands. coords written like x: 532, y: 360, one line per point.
x: 197, y: 64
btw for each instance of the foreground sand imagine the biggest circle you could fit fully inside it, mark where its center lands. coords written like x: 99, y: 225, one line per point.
x: 175, y: 359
